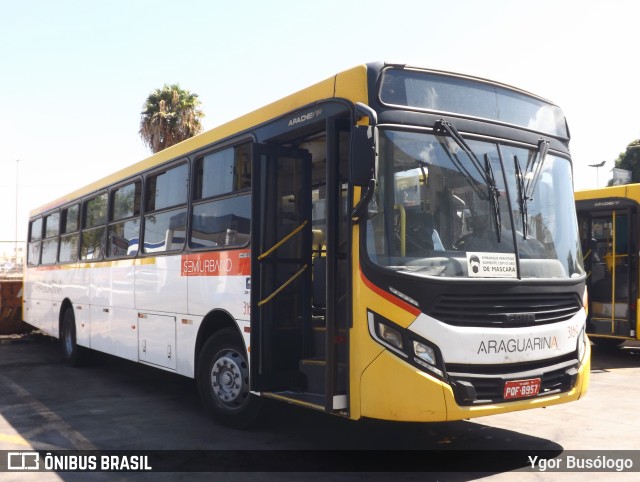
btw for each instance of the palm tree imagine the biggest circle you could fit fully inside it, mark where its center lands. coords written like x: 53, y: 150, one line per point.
x: 170, y: 115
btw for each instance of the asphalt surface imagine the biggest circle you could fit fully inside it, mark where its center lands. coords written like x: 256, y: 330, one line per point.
x: 117, y: 405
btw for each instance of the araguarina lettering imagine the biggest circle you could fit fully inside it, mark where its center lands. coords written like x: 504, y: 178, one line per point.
x: 518, y: 345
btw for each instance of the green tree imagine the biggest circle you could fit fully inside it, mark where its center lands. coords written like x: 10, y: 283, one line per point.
x: 170, y: 115
x: 630, y: 160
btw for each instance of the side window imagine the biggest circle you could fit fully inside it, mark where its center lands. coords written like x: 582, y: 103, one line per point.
x: 167, y: 189
x: 70, y: 219
x: 93, y: 227
x: 123, y: 237
x: 35, y: 242
x: 222, y: 200
x: 166, y: 210
x: 50, y: 243
x: 69, y: 225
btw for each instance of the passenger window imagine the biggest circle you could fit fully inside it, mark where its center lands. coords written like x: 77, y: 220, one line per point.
x: 165, y: 229
x: 50, y: 243
x: 51, y: 225
x: 70, y: 218
x: 95, y: 217
x: 95, y: 211
x: 126, y: 201
x: 222, y: 202
x: 167, y: 189
x: 69, y: 234
x: 224, y: 222
x: 35, y: 238
x: 123, y: 238
x: 36, y: 230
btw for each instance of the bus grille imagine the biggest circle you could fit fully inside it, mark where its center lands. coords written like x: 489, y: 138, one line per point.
x: 487, y: 383
x: 512, y: 310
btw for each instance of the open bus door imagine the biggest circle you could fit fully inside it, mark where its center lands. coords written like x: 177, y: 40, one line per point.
x: 281, y: 266
x: 299, y: 306
x: 610, y: 258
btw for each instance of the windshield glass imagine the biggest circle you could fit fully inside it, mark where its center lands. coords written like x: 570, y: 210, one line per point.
x: 439, y: 213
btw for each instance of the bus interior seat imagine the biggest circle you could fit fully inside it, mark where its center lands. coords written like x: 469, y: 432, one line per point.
x: 421, y: 233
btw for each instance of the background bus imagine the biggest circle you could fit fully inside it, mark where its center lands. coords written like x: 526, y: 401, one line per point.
x: 608, y: 220
x: 393, y: 242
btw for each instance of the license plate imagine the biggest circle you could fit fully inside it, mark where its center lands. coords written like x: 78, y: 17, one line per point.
x: 521, y: 388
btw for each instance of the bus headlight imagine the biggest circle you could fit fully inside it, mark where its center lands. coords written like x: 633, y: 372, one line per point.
x: 424, y: 352
x: 392, y: 336
x: 425, y: 356
x: 417, y: 351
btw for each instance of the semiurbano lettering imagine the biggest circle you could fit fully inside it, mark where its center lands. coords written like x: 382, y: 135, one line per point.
x: 207, y: 266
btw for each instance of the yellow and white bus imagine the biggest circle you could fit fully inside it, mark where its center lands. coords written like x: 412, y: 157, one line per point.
x: 608, y: 222
x: 393, y: 242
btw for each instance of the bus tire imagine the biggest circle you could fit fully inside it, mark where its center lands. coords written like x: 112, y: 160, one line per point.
x: 223, y: 381
x: 72, y: 354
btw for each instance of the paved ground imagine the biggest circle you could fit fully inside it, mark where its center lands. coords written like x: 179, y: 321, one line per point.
x: 114, y: 404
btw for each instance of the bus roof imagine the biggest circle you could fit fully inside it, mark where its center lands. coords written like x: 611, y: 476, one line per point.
x: 350, y: 84
x: 630, y: 191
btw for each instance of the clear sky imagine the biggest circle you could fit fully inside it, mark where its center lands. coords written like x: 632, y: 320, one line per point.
x: 74, y: 73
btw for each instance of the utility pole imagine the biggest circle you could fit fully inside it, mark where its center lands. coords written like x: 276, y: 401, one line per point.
x: 597, y: 166
x: 15, y: 249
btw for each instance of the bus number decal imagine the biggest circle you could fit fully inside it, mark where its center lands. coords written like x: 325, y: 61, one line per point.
x: 574, y: 331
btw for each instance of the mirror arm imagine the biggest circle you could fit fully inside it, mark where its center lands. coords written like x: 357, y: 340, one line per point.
x: 363, y: 110
x: 361, y: 208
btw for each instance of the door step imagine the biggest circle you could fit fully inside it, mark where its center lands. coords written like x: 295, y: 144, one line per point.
x: 314, y: 371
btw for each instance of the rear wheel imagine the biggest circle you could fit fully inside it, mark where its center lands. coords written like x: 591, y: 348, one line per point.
x: 223, y: 381
x: 73, y: 354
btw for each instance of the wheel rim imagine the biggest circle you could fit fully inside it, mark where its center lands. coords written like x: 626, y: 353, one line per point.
x: 228, y: 375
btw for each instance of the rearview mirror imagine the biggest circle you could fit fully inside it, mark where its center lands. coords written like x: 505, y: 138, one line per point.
x: 363, y: 146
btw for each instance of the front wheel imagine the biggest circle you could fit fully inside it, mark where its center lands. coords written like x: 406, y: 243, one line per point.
x: 223, y: 381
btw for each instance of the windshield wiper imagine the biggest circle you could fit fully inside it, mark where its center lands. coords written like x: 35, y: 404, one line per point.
x: 442, y: 127
x: 533, y: 170
x: 535, y: 167
x: 494, y: 194
x: 522, y: 199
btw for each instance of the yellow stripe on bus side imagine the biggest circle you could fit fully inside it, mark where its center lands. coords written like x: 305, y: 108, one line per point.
x: 119, y: 263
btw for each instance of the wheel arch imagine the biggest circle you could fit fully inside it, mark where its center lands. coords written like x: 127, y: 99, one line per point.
x: 214, y: 322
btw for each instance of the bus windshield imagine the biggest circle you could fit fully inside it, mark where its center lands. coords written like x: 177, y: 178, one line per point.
x: 440, y: 212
